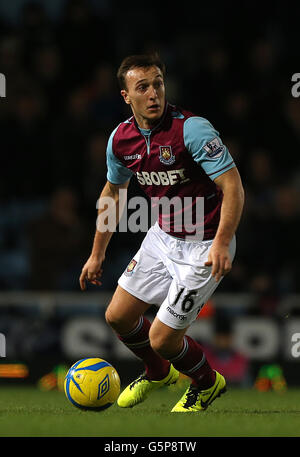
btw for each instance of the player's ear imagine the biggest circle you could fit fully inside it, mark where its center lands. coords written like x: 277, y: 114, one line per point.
x: 125, y: 96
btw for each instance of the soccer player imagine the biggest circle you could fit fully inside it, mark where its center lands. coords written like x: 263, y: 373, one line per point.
x: 173, y: 153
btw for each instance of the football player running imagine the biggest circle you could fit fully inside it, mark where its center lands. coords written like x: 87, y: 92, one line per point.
x: 173, y: 153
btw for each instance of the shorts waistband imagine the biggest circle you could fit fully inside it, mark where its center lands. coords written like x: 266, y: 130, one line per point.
x: 190, y: 239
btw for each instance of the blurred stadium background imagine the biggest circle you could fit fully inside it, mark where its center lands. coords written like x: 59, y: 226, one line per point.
x: 231, y: 65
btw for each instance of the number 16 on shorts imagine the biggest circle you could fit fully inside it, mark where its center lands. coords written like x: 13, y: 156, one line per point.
x: 183, y: 307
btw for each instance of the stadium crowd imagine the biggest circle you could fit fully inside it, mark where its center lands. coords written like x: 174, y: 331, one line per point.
x: 62, y: 103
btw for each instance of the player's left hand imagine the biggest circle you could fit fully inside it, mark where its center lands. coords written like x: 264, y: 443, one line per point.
x: 219, y: 259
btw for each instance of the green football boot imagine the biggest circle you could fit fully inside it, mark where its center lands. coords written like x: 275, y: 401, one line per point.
x: 195, y: 399
x: 139, y: 389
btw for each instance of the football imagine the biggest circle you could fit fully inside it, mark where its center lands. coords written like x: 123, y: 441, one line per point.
x: 92, y: 384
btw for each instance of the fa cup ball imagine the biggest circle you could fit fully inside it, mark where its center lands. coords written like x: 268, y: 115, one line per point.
x: 92, y: 384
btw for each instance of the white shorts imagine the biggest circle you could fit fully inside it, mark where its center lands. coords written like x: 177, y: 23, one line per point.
x: 170, y: 273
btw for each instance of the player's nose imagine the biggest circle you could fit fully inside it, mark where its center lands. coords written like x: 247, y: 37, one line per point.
x: 152, y: 93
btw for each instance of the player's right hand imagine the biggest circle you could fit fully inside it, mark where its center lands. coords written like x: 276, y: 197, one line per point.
x: 91, y: 272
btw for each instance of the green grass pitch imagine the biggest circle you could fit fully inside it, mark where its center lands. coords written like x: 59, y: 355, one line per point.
x: 29, y: 412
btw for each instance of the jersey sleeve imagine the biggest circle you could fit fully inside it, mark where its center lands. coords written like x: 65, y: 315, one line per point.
x: 206, y: 147
x: 117, y: 173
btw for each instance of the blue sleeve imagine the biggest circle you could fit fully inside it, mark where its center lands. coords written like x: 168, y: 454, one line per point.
x: 206, y: 147
x: 117, y: 173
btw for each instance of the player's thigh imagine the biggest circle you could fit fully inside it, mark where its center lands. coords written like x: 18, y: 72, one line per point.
x: 124, y: 310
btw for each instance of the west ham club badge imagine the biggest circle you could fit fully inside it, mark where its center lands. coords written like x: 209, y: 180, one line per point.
x: 130, y: 267
x: 166, y: 155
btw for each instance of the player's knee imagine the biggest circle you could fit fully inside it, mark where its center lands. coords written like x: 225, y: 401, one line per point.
x: 114, y: 320
x: 163, y: 345
x: 119, y: 323
x: 159, y: 344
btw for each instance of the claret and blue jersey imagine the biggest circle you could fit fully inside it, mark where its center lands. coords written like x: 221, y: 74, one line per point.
x: 180, y: 157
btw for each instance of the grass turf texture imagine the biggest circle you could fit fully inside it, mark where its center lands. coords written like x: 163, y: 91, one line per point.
x: 29, y: 412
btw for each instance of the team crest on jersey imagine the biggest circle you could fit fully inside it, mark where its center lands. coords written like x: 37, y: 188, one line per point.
x: 214, y: 148
x: 166, y: 155
x: 130, y: 268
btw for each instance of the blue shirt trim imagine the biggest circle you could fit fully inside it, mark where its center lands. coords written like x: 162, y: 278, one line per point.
x: 117, y: 173
x: 200, y: 139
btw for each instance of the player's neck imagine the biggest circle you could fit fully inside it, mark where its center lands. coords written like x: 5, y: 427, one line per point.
x: 146, y: 124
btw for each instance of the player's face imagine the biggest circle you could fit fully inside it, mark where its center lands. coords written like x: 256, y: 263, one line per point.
x: 145, y: 93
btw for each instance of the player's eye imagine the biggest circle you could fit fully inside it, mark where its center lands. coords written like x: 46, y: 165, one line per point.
x: 142, y: 88
x: 158, y: 84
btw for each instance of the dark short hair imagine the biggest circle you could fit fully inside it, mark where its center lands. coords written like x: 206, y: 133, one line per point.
x: 140, y: 61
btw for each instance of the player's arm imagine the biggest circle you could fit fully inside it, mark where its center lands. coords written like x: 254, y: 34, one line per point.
x: 92, y: 269
x: 231, y: 210
x: 118, y: 178
x: 207, y: 149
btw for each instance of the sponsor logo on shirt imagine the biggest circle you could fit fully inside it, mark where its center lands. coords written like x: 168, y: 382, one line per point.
x: 162, y: 178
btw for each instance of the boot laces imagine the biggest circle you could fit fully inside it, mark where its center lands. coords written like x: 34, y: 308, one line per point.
x: 141, y: 378
x: 191, y: 396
